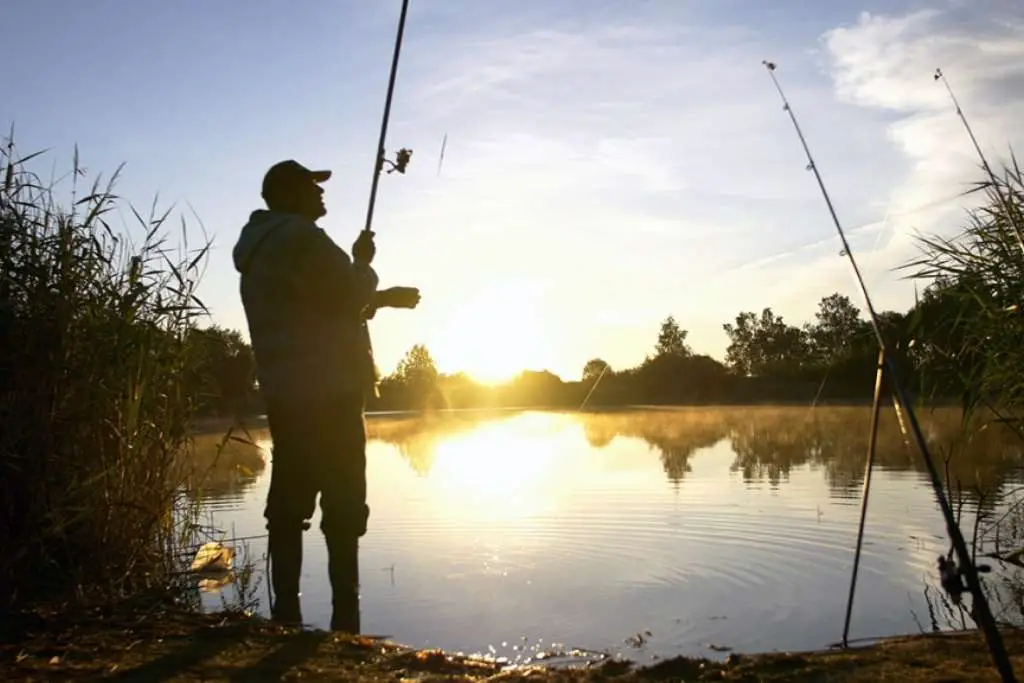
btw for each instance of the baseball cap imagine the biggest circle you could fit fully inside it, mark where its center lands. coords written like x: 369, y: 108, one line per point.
x: 289, y: 174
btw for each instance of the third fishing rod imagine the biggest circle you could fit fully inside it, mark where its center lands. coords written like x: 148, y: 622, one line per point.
x: 983, y: 614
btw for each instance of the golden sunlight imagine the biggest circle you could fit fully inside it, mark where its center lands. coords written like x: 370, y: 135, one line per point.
x: 494, y: 336
x: 501, y: 471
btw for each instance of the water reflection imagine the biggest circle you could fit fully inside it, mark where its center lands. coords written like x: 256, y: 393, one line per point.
x: 225, y: 464
x: 487, y: 527
x: 769, y: 443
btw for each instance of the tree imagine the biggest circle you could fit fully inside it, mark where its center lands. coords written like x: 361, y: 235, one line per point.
x: 221, y: 378
x: 765, y: 346
x: 594, y: 368
x: 672, y: 339
x: 740, y: 354
x: 417, y: 370
x: 836, y: 330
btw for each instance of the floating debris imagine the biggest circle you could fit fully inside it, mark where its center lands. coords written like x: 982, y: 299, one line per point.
x: 213, y: 557
x: 213, y: 562
x: 638, y: 640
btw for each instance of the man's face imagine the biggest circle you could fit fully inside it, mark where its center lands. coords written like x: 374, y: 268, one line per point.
x: 309, y: 199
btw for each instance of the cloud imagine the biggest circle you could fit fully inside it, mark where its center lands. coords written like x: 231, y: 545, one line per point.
x: 886, y: 63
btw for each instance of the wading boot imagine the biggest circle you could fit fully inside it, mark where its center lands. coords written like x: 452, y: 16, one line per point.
x: 285, y: 548
x: 343, y: 570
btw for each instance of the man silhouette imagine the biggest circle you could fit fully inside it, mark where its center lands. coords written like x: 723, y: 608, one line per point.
x: 305, y: 303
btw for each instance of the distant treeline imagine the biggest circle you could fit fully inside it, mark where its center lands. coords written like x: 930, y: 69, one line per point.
x: 832, y: 359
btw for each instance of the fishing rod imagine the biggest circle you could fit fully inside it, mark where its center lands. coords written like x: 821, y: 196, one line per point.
x: 402, y: 157
x: 876, y: 407
x: 996, y: 187
x: 982, y: 611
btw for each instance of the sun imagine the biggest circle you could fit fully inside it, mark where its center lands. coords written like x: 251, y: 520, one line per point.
x: 494, y: 336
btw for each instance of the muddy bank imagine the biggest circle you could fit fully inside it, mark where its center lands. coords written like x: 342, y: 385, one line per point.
x: 174, y: 645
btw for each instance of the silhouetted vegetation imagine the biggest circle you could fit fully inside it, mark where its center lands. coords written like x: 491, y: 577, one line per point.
x: 104, y: 370
x: 831, y: 359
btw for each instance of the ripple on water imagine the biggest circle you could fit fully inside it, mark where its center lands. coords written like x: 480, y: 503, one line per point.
x: 615, y: 552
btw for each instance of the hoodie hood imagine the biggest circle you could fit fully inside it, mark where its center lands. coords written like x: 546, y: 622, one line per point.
x: 261, y: 223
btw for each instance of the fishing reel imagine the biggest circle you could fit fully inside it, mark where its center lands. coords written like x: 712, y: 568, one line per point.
x: 951, y: 577
x: 402, y: 158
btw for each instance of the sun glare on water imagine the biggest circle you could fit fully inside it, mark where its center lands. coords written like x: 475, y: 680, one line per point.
x: 494, y: 336
x: 499, y: 472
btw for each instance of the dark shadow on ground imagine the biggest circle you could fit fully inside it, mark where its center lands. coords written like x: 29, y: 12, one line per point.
x: 194, y: 652
x: 296, y: 649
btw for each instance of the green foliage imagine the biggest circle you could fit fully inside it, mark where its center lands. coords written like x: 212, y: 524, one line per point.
x: 415, y: 380
x: 969, y: 328
x: 672, y: 340
x: 94, y: 397
x: 765, y: 345
x: 837, y: 329
x: 220, y: 381
x: 594, y: 368
x: 417, y: 369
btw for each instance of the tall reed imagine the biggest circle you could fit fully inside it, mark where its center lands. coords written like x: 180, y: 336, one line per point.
x: 93, y: 409
x: 977, y: 297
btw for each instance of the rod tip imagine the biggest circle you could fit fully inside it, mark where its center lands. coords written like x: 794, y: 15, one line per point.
x: 769, y: 65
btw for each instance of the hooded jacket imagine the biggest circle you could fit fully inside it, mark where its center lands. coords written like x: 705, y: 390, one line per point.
x: 303, y: 298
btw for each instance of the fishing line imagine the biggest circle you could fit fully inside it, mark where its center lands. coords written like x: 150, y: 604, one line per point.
x: 983, y: 613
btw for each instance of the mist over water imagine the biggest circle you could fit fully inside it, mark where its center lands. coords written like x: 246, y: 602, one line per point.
x: 703, y: 530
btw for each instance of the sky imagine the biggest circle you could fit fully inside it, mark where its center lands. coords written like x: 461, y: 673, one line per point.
x: 608, y: 163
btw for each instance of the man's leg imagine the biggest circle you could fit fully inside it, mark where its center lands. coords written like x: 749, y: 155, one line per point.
x: 345, y: 513
x: 290, y: 501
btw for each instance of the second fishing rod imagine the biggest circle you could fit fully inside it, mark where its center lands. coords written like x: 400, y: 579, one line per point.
x: 983, y: 613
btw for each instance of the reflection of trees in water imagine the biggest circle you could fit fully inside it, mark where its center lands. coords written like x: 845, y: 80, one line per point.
x: 770, y: 442
x: 417, y: 437
x: 597, y: 433
x: 675, y: 433
x: 218, y: 466
x: 764, y: 451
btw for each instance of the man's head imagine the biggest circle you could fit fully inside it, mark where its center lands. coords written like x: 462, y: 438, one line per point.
x: 290, y: 186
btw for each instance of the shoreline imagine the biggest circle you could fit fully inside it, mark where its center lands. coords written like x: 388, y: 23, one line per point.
x: 176, y: 645
x: 206, y: 426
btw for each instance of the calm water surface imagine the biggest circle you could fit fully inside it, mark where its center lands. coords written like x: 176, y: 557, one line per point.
x: 512, y: 533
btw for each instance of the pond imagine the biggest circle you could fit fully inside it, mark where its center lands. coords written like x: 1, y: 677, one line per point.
x: 646, y: 532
